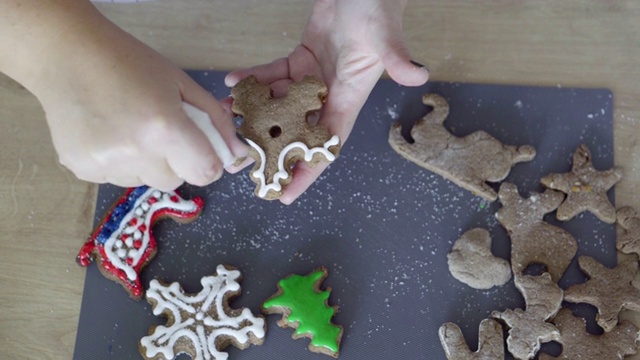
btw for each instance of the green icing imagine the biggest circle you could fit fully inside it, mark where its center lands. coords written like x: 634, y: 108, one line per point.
x: 308, y: 308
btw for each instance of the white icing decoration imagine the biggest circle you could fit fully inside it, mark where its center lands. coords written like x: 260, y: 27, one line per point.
x: 136, y: 235
x: 122, y: 253
x: 204, y: 313
x: 139, y: 211
x: 282, y: 172
x: 163, y: 202
x: 145, y: 206
x: 118, y: 244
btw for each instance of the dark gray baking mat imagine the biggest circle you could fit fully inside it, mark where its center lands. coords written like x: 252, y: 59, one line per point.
x: 380, y: 224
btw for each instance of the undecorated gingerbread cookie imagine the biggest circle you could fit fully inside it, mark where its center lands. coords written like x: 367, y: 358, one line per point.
x: 629, y: 241
x: 279, y: 133
x: 470, y: 161
x: 490, y: 342
x: 586, y: 188
x: 472, y: 262
x: 534, y: 241
x: 123, y: 243
x: 200, y: 325
x: 529, y: 328
x: 305, y: 308
x: 609, y: 290
x: 577, y: 343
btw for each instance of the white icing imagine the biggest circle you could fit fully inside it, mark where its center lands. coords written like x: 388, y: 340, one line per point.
x: 204, y: 311
x: 282, y: 172
x: 163, y: 202
x: 203, y: 122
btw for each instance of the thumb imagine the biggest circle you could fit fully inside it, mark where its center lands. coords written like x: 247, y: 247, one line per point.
x: 397, y: 61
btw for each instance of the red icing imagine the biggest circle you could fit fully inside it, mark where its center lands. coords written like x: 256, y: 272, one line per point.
x: 90, y: 251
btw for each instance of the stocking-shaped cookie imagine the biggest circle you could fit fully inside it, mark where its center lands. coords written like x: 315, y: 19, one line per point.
x: 534, y: 241
x: 529, y: 328
x: 586, y: 188
x: 470, y: 161
x: 279, y: 133
x: 490, y: 342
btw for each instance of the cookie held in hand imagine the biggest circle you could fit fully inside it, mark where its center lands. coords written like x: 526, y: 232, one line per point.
x: 279, y: 133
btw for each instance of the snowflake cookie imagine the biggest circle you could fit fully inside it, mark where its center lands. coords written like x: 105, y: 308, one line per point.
x: 279, y: 133
x: 123, y: 244
x: 200, y: 325
x: 304, y: 307
x: 577, y: 343
x: 609, y: 290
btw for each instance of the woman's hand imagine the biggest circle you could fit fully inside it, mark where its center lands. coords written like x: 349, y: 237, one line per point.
x: 348, y: 44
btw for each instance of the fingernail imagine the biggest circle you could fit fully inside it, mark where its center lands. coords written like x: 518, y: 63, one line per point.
x: 242, y: 138
x: 418, y: 65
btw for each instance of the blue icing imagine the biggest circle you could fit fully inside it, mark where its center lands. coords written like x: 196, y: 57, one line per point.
x: 118, y: 214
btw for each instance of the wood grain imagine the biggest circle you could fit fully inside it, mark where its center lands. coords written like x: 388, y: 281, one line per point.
x: 46, y: 213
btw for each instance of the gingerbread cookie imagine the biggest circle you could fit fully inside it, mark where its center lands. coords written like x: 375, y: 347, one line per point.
x: 470, y: 161
x: 534, y: 241
x: 609, y: 290
x: 200, y: 325
x: 490, y: 342
x: 472, y: 263
x: 577, y: 343
x: 279, y: 133
x: 305, y: 308
x: 529, y: 328
x: 629, y: 241
x: 586, y: 188
x: 123, y: 243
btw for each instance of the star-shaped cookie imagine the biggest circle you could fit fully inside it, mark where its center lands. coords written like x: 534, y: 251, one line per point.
x: 609, y: 290
x: 577, y: 343
x: 629, y: 241
x: 586, y: 188
x: 490, y: 342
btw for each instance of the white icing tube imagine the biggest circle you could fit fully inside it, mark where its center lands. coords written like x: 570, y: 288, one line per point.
x: 282, y: 172
x: 203, y: 122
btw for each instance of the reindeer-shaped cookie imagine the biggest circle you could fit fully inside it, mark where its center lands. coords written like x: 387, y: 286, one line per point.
x: 278, y: 131
x: 470, y: 161
x: 534, y: 241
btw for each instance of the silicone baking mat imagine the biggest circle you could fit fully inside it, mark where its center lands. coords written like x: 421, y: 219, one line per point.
x: 381, y: 225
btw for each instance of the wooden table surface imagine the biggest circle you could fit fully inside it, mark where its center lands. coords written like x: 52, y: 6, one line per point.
x: 46, y: 214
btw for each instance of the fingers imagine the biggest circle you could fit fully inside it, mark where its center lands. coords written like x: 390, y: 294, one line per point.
x: 220, y: 117
x: 267, y: 73
x: 397, y: 61
x: 303, y: 176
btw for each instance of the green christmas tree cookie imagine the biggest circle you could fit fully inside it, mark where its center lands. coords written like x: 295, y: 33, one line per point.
x: 304, y: 307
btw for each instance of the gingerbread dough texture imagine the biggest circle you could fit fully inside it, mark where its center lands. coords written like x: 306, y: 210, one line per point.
x: 490, y: 342
x: 629, y: 240
x: 609, y: 290
x: 577, y: 343
x: 279, y: 133
x: 586, y: 188
x: 534, y: 241
x: 472, y: 262
x: 529, y: 328
x: 470, y: 161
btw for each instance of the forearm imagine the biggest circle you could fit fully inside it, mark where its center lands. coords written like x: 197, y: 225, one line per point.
x: 37, y: 34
